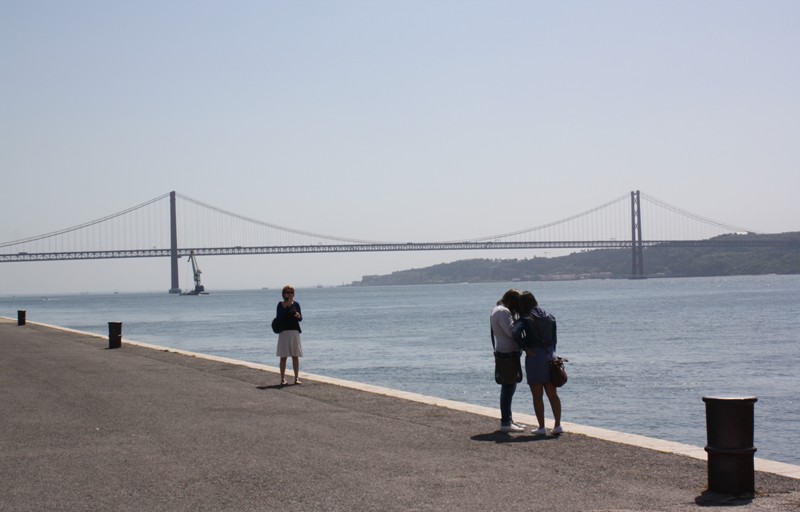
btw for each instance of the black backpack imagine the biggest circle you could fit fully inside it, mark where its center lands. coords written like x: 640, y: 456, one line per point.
x: 276, y: 325
x: 536, y: 330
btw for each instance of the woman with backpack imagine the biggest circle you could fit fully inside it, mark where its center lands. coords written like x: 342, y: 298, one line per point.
x: 288, y: 317
x: 535, y: 333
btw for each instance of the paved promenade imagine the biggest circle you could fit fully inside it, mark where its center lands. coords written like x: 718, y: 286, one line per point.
x: 83, y: 427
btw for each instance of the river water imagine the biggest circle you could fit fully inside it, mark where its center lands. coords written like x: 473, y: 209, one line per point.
x: 642, y: 353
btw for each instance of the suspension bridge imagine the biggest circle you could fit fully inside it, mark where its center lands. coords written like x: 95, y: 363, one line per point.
x: 175, y: 226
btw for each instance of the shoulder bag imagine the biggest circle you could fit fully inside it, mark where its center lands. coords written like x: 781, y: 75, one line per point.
x: 507, y: 367
x: 558, y: 373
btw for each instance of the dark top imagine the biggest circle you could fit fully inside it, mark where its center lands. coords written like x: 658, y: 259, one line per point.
x: 286, y: 317
x: 535, y: 330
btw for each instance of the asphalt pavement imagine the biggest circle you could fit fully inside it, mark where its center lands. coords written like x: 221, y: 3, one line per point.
x: 85, y: 427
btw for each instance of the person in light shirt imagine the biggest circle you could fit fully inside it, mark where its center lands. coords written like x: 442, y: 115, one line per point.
x: 501, y: 321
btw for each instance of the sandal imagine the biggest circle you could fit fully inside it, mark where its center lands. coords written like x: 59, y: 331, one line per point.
x: 297, y: 381
x: 283, y: 382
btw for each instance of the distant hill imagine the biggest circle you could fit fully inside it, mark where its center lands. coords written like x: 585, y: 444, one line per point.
x: 662, y: 261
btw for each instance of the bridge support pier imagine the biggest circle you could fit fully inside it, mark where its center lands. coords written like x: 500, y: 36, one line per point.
x: 173, y: 243
x: 637, y: 271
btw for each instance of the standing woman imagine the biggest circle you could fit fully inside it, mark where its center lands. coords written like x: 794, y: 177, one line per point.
x: 539, y: 346
x: 289, y: 316
x: 501, y: 321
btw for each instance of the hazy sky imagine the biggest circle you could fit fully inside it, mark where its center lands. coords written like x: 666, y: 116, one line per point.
x: 389, y: 120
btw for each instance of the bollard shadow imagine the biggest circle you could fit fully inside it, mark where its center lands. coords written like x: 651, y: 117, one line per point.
x: 504, y: 437
x: 716, y: 499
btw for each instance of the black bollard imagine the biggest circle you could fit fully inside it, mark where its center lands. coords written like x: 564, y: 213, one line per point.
x: 21, y: 317
x: 114, y: 334
x: 729, y: 426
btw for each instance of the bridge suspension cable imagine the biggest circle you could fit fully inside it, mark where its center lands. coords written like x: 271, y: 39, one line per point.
x: 618, y: 201
x: 694, y: 216
x: 84, y: 225
x: 275, y: 226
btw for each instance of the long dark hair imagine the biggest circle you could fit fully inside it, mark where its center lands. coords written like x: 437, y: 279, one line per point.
x: 525, y: 303
x: 510, y: 299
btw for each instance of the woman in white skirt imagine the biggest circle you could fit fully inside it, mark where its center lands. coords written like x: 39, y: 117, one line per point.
x: 289, y: 316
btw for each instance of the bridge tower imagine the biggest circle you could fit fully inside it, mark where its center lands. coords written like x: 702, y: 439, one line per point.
x: 636, y: 238
x: 173, y: 241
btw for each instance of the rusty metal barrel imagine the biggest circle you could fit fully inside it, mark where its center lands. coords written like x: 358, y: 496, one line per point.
x: 729, y: 427
x: 114, y: 334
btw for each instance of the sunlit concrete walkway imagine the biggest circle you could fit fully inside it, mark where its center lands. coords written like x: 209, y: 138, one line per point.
x: 83, y: 427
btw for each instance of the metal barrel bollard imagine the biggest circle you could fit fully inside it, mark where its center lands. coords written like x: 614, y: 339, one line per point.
x: 114, y: 334
x: 21, y: 317
x: 729, y: 426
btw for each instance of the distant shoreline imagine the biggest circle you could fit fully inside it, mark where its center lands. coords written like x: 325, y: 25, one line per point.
x: 659, y: 262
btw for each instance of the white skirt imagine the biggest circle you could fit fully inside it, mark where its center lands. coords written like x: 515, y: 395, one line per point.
x: 289, y: 344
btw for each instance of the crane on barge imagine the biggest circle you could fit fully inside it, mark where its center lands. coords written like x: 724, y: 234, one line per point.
x: 199, y: 289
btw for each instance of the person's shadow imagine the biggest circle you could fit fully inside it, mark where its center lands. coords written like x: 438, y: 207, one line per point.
x: 274, y: 386
x: 504, y: 437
